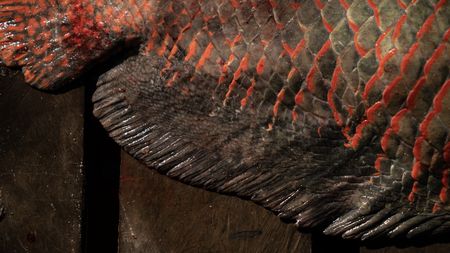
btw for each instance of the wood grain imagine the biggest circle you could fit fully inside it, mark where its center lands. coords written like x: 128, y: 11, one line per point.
x: 41, y: 161
x: 158, y: 214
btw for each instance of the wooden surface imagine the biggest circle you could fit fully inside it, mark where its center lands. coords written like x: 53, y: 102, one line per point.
x: 158, y: 214
x: 41, y: 163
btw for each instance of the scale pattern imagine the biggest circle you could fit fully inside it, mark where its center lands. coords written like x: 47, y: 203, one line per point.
x: 372, y: 67
x: 301, y: 102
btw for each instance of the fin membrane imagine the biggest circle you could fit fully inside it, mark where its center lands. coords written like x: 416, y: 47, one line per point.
x: 182, y: 131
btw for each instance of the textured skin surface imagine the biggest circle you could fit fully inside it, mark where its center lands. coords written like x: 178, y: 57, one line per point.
x: 318, y: 110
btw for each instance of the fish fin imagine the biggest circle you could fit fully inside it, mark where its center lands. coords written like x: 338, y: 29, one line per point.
x: 52, y: 43
x: 371, y: 222
x: 182, y: 131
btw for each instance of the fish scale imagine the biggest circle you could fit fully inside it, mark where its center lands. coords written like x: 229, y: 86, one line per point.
x: 351, y: 95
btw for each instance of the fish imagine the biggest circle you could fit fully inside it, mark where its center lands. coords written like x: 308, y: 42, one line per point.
x: 334, y: 115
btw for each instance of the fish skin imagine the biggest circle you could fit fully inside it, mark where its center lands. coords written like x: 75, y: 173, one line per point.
x: 332, y: 114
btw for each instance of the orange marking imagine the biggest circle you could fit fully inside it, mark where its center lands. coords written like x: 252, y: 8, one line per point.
x: 387, y: 93
x: 437, y: 108
x: 205, y: 56
x: 173, y: 51
x: 327, y: 25
x: 376, y: 12
x: 436, y: 54
x: 310, y: 78
x: 265, y: 43
x: 32, y: 27
x: 396, y: 119
x: 353, y: 25
x: 298, y: 49
x: 279, y: 26
x: 294, y: 116
x: 231, y: 87
x: 295, y: 6
x: 151, y: 43
x: 447, y: 152
x: 163, y: 47
x: 299, y: 97
x: 416, y: 170
x: 407, y: 58
x: 378, y: 163
x: 243, y: 66
x: 383, y: 62
x: 378, y: 43
x: 361, y: 51
x: 244, y: 62
x: 344, y: 4
x: 417, y: 149
x: 445, y: 175
x: 369, y: 86
x: 232, y: 43
x: 250, y: 90
x: 372, y: 111
x: 334, y: 82
x: 447, y: 36
x: 398, y: 27
x: 401, y: 4
x: 192, y: 50
x: 235, y: 3
x: 436, y: 208
x: 345, y: 132
x: 48, y: 58
x: 291, y: 74
x: 443, y: 194
x: 323, y: 50
x: 280, y: 98
x: 439, y: 5
x: 426, y: 27
x: 260, y: 65
x: 225, y: 68
x: 411, y: 99
x: 273, y: 3
x: 356, y: 139
x: 172, y: 80
x: 414, y: 190
x: 319, y: 4
x: 439, y: 98
x: 287, y: 48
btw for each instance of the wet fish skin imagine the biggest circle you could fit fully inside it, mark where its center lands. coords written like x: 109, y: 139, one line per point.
x: 329, y: 113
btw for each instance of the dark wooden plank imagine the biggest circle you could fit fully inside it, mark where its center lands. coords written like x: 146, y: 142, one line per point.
x: 41, y: 162
x: 158, y: 214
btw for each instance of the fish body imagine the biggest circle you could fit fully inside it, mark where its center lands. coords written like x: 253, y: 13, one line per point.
x: 332, y: 114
